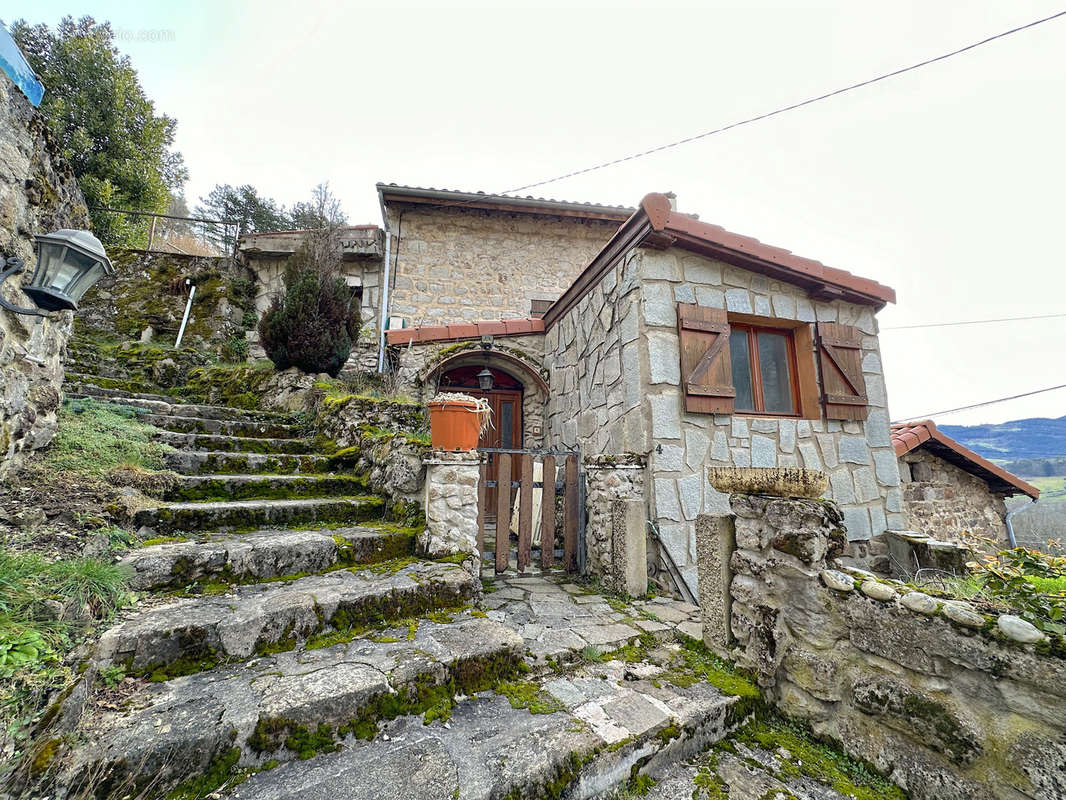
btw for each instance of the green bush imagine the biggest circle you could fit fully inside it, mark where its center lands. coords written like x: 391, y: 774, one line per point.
x: 314, y: 325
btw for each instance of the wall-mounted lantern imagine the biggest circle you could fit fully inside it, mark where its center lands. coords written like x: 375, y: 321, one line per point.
x: 484, y: 379
x: 486, y: 341
x: 68, y: 263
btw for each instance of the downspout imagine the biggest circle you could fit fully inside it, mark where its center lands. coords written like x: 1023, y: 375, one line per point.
x: 1010, y: 527
x: 384, y: 297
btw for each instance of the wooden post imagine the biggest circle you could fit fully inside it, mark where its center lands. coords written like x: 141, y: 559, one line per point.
x: 525, y: 513
x: 503, y: 512
x: 570, y: 520
x: 547, y: 514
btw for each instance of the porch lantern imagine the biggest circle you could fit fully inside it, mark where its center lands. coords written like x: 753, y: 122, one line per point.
x: 484, y: 379
x: 69, y: 262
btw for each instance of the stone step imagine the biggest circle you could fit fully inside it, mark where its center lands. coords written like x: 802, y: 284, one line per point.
x: 228, y: 413
x: 81, y: 389
x: 118, y: 382
x: 189, y: 635
x: 264, y: 486
x: 233, y: 444
x: 249, y: 514
x: 616, y: 721
x: 183, y: 424
x: 203, y: 462
x: 288, y: 705
x: 262, y: 555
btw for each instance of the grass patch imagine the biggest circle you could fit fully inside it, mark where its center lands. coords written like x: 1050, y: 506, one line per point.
x: 95, y: 438
x: 46, y: 608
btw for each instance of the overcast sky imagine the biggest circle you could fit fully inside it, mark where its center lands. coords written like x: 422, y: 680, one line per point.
x: 946, y: 183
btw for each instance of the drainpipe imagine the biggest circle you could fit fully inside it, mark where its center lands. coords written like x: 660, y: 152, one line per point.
x: 384, y: 297
x: 1010, y: 527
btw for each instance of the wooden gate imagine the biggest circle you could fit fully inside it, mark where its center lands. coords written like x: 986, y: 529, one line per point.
x: 514, y: 503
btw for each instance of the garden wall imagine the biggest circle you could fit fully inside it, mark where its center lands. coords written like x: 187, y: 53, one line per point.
x: 950, y: 702
x: 38, y: 195
x: 383, y: 440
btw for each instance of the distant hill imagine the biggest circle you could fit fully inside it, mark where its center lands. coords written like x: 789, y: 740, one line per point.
x: 1009, y: 441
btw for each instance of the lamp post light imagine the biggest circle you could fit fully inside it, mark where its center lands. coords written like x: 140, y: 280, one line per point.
x: 68, y: 263
x: 484, y: 379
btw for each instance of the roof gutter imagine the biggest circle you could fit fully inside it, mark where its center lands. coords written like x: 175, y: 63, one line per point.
x: 384, y: 284
x: 445, y: 198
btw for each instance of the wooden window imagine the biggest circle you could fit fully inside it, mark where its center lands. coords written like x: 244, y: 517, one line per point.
x: 840, y: 359
x: 764, y: 370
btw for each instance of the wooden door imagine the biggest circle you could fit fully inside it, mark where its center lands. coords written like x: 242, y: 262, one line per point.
x: 505, y: 433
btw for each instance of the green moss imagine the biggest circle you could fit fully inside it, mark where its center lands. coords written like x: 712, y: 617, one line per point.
x: 699, y: 664
x: 163, y: 540
x: 216, y: 776
x: 186, y: 665
x: 44, y: 756
x: 528, y: 695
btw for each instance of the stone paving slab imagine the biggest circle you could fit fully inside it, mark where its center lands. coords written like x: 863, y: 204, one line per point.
x: 173, y: 729
x: 234, y: 626
x: 489, y: 749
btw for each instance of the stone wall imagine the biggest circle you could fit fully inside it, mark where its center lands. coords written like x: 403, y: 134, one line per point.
x: 947, y: 502
x: 456, y: 264
x: 858, y: 456
x: 615, y: 531
x: 145, y: 300
x: 451, y: 507
x: 951, y: 703
x: 38, y: 195
x: 382, y: 440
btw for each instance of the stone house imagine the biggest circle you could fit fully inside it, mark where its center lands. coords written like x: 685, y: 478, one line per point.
x: 691, y: 347
x: 446, y: 256
x: 948, y: 489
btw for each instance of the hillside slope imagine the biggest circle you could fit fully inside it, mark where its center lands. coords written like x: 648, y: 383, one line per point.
x: 1036, y: 437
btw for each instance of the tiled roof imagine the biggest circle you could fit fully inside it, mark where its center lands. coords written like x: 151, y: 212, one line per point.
x: 465, y: 330
x: 907, y: 436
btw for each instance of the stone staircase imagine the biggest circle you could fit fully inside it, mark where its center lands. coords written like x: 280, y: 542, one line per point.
x: 290, y: 644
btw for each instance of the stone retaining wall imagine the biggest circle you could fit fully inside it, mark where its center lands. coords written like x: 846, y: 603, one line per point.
x: 380, y: 439
x: 38, y: 194
x: 951, y: 703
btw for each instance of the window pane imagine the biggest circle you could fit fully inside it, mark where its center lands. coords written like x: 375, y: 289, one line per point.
x: 740, y: 357
x: 776, y: 378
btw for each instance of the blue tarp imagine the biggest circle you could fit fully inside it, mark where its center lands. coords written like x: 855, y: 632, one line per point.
x: 18, y: 69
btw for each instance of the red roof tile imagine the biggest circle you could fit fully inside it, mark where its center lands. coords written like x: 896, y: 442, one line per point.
x: 465, y: 330
x: 907, y: 436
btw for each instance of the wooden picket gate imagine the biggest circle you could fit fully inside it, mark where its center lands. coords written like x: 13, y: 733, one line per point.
x: 498, y: 465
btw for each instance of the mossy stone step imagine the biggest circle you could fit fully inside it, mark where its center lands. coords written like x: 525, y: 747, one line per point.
x: 224, y: 427
x: 79, y: 388
x: 188, y: 635
x: 233, y: 444
x: 263, y: 555
x: 228, y: 413
x: 250, y: 514
x: 206, y: 462
x: 265, y: 486
x: 115, y: 383
x: 287, y: 706
x: 613, y: 721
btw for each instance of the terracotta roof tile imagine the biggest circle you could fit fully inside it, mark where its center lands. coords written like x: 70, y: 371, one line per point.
x: 464, y: 330
x: 907, y: 436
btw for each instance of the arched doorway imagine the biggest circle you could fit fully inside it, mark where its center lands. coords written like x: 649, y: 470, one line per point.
x: 505, y: 398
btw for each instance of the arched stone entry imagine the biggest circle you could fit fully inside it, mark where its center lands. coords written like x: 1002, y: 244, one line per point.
x: 506, y: 400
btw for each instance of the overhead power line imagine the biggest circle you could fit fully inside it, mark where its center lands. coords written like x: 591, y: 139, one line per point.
x: 968, y: 322
x: 785, y: 109
x: 981, y: 405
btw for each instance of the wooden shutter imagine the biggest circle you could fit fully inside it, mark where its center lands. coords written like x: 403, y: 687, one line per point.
x: 706, y: 375
x: 840, y: 359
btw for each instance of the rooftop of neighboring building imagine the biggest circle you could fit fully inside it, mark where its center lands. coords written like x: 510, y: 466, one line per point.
x: 909, y: 436
x: 391, y: 193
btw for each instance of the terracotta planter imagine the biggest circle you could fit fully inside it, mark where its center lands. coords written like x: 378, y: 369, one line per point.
x: 454, y: 425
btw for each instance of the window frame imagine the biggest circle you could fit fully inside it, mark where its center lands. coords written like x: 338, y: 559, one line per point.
x: 752, y: 330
